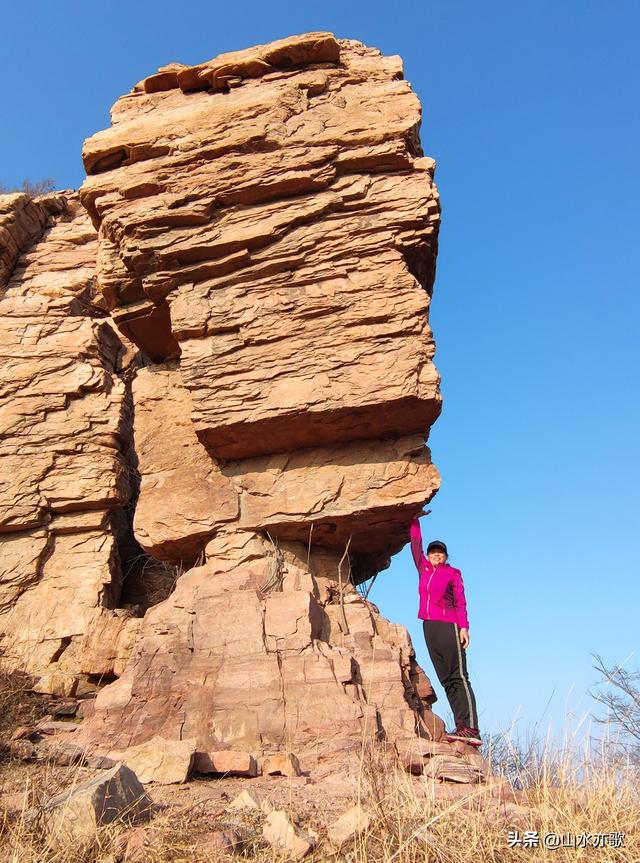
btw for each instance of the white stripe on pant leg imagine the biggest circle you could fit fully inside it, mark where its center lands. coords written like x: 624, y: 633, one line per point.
x: 466, y: 688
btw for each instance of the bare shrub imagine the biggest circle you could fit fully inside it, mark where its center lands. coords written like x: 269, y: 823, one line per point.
x: 29, y: 187
x: 620, y: 694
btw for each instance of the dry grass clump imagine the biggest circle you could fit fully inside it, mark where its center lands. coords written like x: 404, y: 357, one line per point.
x: 173, y: 835
x: 566, y: 795
x: 18, y: 704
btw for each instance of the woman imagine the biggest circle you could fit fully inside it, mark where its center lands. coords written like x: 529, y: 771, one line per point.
x: 443, y: 611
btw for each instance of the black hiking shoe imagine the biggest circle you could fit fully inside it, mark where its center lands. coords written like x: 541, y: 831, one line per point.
x: 464, y: 735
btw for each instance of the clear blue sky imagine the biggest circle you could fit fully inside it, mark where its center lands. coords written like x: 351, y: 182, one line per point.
x: 531, y: 111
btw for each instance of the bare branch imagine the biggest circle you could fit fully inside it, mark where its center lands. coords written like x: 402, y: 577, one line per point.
x: 621, y: 697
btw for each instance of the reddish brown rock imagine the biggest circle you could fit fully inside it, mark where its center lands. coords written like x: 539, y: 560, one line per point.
x: 279, y: 239
x: 266, y: 234
x: 74, y: 815
x: 226, y: 761
x: 284, y: 835
x: 244, y: 800
x: 470, y: 768
x: 281, y: 764
x: 350, y: 824
x: 22, y: 222
x: 183, y: 497
x: 159, y: 760
x: 108, y: 642
x: 241, y: 668
x: 62, y: 423
x: 414, y: 753
x: 335, y: 494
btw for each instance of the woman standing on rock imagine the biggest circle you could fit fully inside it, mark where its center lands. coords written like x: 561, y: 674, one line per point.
x: 443, y: 611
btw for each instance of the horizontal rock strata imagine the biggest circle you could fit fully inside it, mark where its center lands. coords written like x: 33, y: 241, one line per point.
x: 357, y: 490
x: 263, y: 228
x: 62, y: 418
x: 22, y: 222
x: 183, y: 496
x: 276, y: 231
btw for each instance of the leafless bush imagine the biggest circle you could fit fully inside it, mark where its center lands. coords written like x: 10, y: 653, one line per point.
x: 29, y: 187
x: 620, y: 694
x: 18, y: 704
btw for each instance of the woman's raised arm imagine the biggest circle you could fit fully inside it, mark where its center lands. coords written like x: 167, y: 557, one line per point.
x: 416, y: 544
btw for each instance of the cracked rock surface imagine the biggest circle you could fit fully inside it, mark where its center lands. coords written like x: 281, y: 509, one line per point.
x: 63, y: 475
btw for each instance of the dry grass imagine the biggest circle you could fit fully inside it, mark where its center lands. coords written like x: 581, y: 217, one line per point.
x: 18, y: 705
x: 565, y: 792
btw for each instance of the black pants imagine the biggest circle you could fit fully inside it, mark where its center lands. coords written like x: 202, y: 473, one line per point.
x: 450, y: 662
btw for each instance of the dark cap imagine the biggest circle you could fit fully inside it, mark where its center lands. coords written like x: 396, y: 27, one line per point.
x: 436, y: 545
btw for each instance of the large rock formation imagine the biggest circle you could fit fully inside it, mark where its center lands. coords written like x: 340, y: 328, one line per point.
x: 266, y: 236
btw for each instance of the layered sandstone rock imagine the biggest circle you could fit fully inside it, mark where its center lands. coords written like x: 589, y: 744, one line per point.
x: 22, y: 222
x: 269, y: 218
x: 63, y: 476
x: 266, y: 235
x: 255, y: 655
x: 183, y: 496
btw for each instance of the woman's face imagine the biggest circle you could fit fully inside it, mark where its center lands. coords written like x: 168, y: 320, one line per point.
x: 436, y: 557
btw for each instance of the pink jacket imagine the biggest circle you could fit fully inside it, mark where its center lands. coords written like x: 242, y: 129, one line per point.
x: 441, y: 589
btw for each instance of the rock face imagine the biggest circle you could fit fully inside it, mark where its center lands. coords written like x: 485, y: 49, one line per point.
x: 264, y: 230
x: 268, y: 218
x: 22, y: 221
x: 184, y: 498
x: 63, y: 474
x: 254, y: 657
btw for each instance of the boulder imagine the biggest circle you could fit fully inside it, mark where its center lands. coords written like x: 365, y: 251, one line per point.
x: 282, y: 764
x: 244, y: 800
x: 217, y: 389
x: 271, y: 248
x: 414, y: 752
x: 455, y: 769
x: 227, y: 762
x: 68, y: 708
x: 229, y: 685
x: 159, y: 760
x: 116, y: 796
